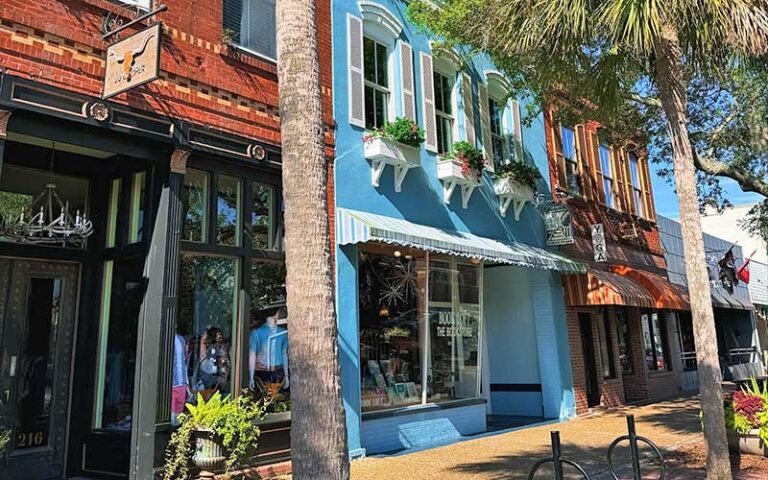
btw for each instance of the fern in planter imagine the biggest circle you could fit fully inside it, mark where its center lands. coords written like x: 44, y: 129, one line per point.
x: 520, y: 172
x: 233, y: 422
x: 402, y: 130
x: 5, y: 437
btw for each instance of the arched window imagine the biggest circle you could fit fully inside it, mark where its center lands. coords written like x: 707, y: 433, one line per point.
x: 445, y: 71
x: 502, y: 132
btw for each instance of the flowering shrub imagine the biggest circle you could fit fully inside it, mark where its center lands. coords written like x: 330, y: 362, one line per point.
x: 471, y: 158
x: 402, y: 130
x: 521, y: 172
x: 747, y: 410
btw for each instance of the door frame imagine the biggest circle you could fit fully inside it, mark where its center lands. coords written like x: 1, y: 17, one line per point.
x: 587, y: 337
x: 62, y: 372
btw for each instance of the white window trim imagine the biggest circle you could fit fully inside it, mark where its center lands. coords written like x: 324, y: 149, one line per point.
x: 390, y: 45
x: 446, y: 62
x: 143, y: 4
x: 445, y: 70
x: 498, y: 91
x: 504, y: 126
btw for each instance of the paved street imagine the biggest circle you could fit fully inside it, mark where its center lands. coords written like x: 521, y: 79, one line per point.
x: 670, y: 424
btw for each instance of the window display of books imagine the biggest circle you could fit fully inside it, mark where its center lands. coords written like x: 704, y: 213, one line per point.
x: 384, y: 388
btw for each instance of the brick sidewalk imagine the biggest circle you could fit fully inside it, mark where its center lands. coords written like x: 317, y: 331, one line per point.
x: 669, y: 424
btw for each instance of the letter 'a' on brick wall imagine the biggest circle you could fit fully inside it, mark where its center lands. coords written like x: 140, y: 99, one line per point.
x: 406, y: 71
x: 428, y: 99
x: 469, y: 114
x: 356, y: 84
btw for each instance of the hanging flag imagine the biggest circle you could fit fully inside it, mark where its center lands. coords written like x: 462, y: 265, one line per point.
x: 728, y: 271
x: 743, y: 272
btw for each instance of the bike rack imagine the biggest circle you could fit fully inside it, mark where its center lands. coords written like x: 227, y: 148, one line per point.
x: 558, y: 461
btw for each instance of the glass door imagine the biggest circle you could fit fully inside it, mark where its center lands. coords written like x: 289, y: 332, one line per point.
x: 37, y: 304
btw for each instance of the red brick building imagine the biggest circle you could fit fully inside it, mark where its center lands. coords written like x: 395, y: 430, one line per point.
x: 621, y: 314
x: 163, y: 292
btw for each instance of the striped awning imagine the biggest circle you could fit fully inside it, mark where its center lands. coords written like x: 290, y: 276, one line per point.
x: 598, y: 287
x: 666, y: 294
x: 353, y: 226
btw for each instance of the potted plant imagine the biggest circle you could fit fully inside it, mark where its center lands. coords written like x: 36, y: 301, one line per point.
x: 220, y: 431
x: 463, y: 166
x: 515, y: 182
x: 746, y: 418
x: 5, y: 437
x: 396, y: 143
x: 228, y: 40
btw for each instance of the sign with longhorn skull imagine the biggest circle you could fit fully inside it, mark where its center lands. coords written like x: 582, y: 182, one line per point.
x: 132, y: 61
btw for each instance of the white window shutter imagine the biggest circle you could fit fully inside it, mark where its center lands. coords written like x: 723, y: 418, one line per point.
x: 356, y: 84
x: 469, y: 115
x: 516, y: 138
x: 406, y: 73
x: 428, y: 99
x: 485, y: 120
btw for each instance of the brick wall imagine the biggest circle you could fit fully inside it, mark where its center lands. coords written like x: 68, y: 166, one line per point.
x: 59, y: 43
x: 611, y: 389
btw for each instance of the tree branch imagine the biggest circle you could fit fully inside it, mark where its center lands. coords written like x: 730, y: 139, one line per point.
x: 747, y: 181
x: 647, y: 101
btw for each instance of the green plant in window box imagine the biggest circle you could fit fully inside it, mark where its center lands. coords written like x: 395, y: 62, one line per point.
x: 402, y: 130
x: 223, y: 429
x: 228, y: 37
x: 522, y: 173
x: 471, y: 158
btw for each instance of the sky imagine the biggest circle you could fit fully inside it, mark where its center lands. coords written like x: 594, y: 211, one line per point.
x: 666, y: 198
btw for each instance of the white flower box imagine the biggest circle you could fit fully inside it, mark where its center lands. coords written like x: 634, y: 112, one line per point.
x: 450, y: 173
x: 511, y: 191
x: 382, y: 152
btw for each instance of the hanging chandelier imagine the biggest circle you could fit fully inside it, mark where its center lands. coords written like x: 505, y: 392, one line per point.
x: 47, y: 220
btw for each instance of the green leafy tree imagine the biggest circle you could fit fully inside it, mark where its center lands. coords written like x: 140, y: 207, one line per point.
x: 618, y: 61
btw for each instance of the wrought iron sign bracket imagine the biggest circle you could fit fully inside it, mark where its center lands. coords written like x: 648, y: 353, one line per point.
x: 114, y: 21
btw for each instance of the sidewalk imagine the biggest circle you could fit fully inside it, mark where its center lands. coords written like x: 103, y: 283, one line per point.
x: 672, y: 425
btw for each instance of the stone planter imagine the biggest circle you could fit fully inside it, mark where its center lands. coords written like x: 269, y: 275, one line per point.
x: 749, y: 443
x: 209, y: 453
x: 510, y: 190
x: 450, y: 173
x: 382, y: 152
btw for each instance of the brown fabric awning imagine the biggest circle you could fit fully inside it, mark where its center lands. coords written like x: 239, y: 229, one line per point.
x: 667, y: 294
x: 598, y: 287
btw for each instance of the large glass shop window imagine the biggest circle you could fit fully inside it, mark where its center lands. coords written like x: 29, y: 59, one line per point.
x: 414, y: 351
x: 202, y: 359
x: 269, y: 375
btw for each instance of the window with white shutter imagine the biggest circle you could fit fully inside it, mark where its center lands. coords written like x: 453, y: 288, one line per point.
x: 356, y: 81
x: 516, y: 139
x: 428, y: 101
x: 469, y: 115
x: 251, y: 24
x: 491, y: 117
x: 406, y: 75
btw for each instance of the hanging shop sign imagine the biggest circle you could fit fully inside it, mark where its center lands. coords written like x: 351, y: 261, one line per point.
x: 559, y: 225
x: 598, y: 243
x: 133, y: 61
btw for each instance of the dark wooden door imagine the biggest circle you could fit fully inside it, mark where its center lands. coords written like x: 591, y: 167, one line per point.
x: 590, y: 367
x: 37, y: 304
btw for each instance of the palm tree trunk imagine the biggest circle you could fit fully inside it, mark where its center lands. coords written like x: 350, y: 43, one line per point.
x: 319, y: 435
x: 671, y: 81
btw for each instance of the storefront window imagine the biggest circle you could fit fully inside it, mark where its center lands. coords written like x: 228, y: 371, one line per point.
x: 687, y: 341
x: 228, y: 211
x: 655, y: 341
x: 122, y: 294
x: 454, y: 327
x: 268, y: 364
x: 207, y: 313
x: 194, y: 197
x: 262, y: 217
x: 407, y: 343
x: 136, y: 226
x: 391, y: 336
x: 625, y: 345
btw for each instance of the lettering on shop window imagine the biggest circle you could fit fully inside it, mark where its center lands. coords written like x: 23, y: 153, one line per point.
x: 30, y: 440
x: 450, y: 324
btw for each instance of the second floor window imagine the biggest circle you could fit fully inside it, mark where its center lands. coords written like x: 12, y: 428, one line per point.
x: 571, y: 164
x: 376, y: 72
x: 443, y: 112
x: 498, y: 143
x: 637, y: 189
x: 607, y: 168
x: 251, y: 25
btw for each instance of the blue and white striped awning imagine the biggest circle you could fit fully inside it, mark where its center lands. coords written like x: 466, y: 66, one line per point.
x: 353, y: 226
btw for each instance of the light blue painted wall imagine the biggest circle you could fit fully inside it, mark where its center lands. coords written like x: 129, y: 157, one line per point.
x: 421, y: 201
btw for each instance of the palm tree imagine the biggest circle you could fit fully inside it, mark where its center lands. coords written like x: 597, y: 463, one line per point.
x: 318, y: 435
x: 609, y: 51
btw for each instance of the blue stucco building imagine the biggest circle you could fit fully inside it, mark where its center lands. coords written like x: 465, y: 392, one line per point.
x: 450, y: 306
